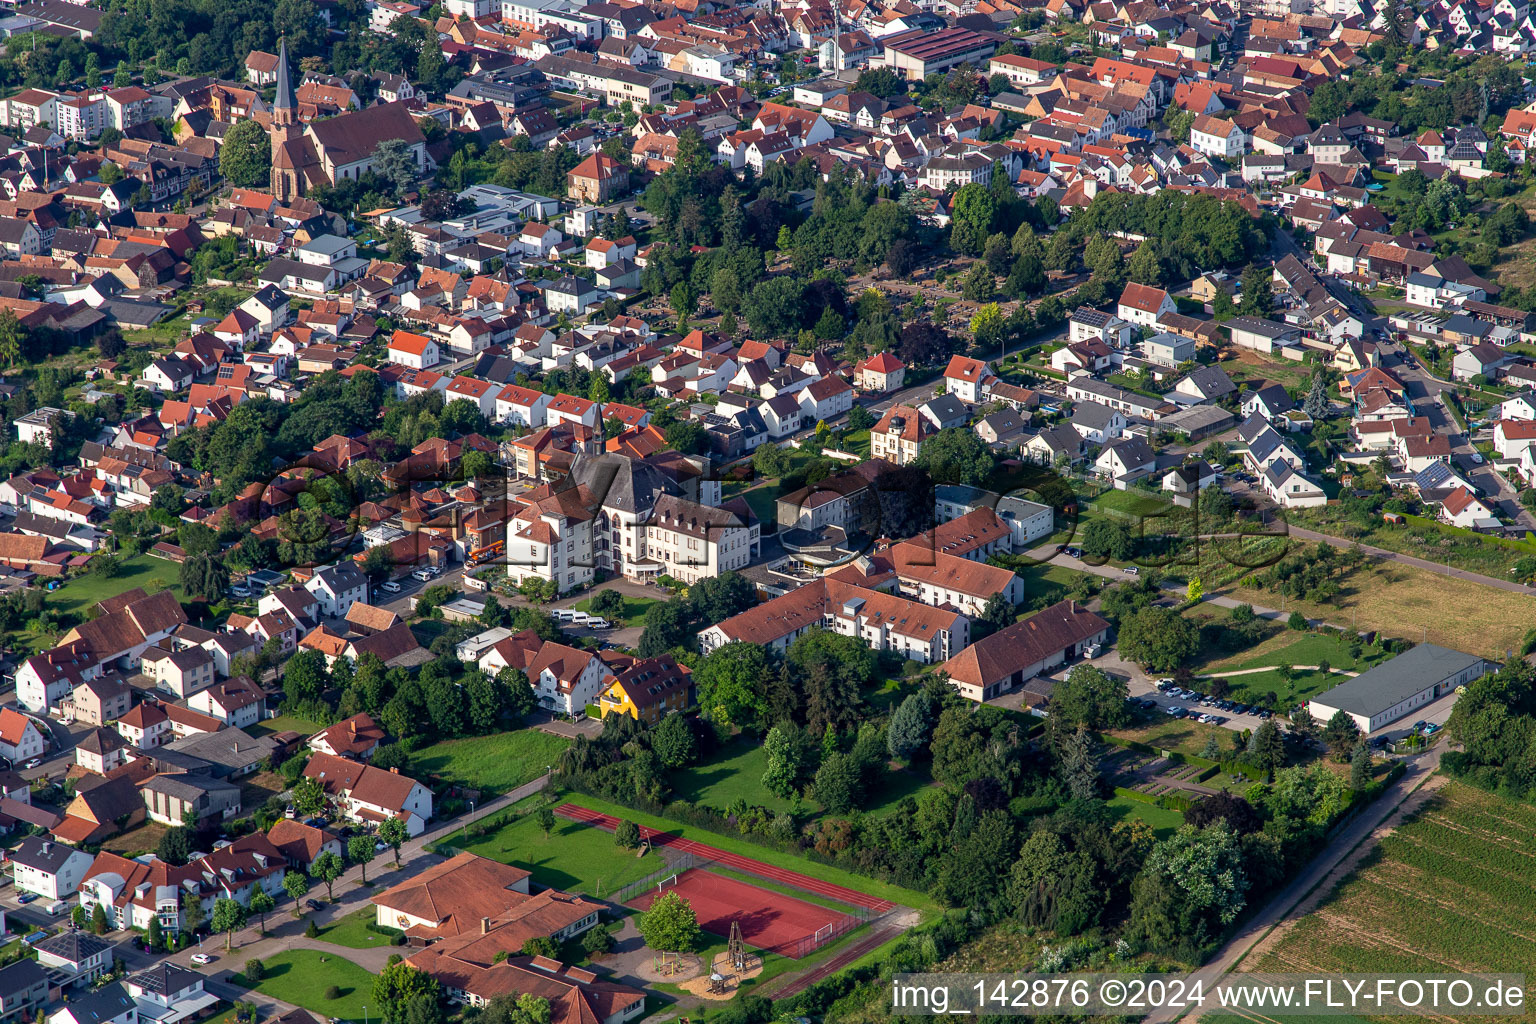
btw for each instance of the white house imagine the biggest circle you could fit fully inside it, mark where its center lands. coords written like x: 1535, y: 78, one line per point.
x: 50, y: 869
x: 361, y: 792
x: 416, y: 351
x: 566, y: 679
x: 1213, y: 136
x: 965, y: 378
x: 1288, y: 487
x: 1144, y: 305
x: 20, y: 738
x: 337, y: 588
x: 521, y: 407
x: 1462, y: 508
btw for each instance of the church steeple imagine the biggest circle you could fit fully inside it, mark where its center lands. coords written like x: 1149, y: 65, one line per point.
x: 284, y: 109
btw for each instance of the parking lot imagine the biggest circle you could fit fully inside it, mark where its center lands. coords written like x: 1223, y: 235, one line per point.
x: 1167, y: 698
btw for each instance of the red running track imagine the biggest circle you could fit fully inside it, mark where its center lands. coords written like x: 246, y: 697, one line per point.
x: 831, y: 891
x: 769, y: 920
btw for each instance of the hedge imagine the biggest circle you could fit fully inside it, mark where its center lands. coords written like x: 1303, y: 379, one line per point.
x: 1168, y: 801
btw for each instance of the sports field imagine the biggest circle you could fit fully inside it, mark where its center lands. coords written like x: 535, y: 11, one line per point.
x: 770, y: 921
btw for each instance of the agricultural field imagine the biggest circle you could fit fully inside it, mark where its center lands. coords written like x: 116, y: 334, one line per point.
x: 1448, y: 891
x: 1418, y: 605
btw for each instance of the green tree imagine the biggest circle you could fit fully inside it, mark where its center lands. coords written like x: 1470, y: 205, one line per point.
x: 12, y: 336
x: 838, y: 786
x: 626, y: 835
x: 394, y: 164
x: 729, y: 682
x: 245, y: 158
x: 674, y: 742
x: 1360, y: 767
x: 956, y: 456
x: 308, y: 797
x: 683, y: 302
x: 327, y: 868
x: 670, y: 925
x: 787, y: 753
x: 1303, y: 726
x: 1158, y: 639
x: 228, y: 917
x: 1091, y: 698
x: 1266, y: 747
x: 398, y: 986
x: 911, y: 725
x: 1297, y: 621
x: 1340, y: 735
x: 154, y: 935
x: 987, y: 325
x: 1078, y: 764
x: 973, y: 218
x: 296, y: 885
x: 1258, y: 293
x: 175, y: 846
x: 1107, y: 539
x: 393, y: 832
x: 262, y: 904
x: 360, y: 849
x: 546, y: 820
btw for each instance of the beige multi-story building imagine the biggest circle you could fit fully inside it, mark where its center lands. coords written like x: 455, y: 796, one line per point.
x: 899, y: 435
x: 692, y: 542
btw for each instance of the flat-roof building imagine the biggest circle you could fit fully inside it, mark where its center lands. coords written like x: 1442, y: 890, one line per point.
x: 1396, y: 688
x: 918, y: 54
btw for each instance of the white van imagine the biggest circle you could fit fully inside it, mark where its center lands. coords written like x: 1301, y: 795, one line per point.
x: 57, y: 907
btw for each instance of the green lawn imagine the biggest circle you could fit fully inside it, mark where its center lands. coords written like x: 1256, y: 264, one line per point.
x: 153, y: 574
x: 1304, y: 649
x: 897, y: 785
x: 825, y: 872
x: 575, y: 857
x: 302, y: 976
x: 353, y: 931
x: 285, y: 723
x: 491, y: 764
x: 763, y: 501
x: 1130, y: 503
x: 1302, y: 686
x: 1162, y: 820
x: 735, y: 774
x: 1051, y: 580
x: 633, y: 613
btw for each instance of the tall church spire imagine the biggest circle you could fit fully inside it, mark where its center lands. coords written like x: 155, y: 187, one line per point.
x: 283, y: 106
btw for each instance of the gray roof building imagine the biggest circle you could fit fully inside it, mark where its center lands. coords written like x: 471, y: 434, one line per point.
x: 1397, y: 687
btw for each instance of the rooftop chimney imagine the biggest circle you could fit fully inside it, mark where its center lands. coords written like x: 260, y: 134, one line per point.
x: 485, y: 926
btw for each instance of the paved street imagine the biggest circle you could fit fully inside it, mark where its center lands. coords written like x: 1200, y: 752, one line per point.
x: 1331, y: 865
x: 285, y: 932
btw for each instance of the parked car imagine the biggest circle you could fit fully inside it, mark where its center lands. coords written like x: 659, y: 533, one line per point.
x: 202, y: 958
x: 390, y: 587
x: 26, y: 897
x: 1431, y: 729
x: 1477, y: 458
x: 1131, y: 570
x: 315, y: 905
x: 33, y: 763
x: 1419, y: 725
